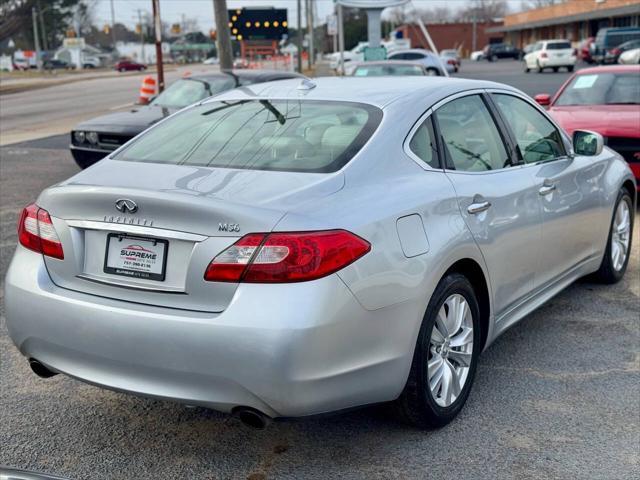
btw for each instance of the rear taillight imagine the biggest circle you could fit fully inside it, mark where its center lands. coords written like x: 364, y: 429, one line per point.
x: 286, y: 257
x: 36, y: 232
x: 543, y: 55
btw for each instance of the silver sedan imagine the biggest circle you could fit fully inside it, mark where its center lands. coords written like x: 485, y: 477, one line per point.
x: 293, y: 248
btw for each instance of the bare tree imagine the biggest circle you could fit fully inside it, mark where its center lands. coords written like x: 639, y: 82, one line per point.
x: 531, y: 4
x: 483, y: 10
x: 436, y: 15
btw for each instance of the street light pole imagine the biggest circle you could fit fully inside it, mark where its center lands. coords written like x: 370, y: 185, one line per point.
x: 299, y: 36
x: 36, y: 38
x: 310, y: 31
x: 158, y: 28
x: 224, y: 36
x: 113, y: 26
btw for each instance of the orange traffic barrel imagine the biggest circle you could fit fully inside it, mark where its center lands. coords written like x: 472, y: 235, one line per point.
x: 147, y: 90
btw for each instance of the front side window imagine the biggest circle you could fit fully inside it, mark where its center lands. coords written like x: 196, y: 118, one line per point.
x: 284, y: 135
x: 537, y: 138
x: 471, y: 139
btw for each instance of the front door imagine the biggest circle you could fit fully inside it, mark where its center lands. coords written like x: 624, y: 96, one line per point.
x: 567, y: 189
x: 498, y: 200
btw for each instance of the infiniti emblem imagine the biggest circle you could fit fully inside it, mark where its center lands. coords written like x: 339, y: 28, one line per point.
x: 125, y: 205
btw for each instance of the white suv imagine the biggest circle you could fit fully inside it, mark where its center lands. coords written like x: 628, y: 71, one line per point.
x: 550, y: 54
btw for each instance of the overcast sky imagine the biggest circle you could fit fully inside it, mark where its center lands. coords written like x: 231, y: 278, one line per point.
x: 171, y: 11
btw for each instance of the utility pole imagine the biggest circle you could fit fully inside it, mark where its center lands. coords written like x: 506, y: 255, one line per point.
x: 158, y: 28
x: 299, y: 36
x: 310, y: 31
x: 113, y: 26
x: 141, y: 35
x: 36, y: 39
x: 341, y: 38
x: 223, y: 35
x: 45, y: 43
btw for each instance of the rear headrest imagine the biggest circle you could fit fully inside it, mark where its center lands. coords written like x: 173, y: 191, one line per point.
x: 340, y: 136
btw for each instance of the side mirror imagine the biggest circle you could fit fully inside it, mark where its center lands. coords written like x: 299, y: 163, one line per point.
x: 587, y: 143
x: 543, y: 99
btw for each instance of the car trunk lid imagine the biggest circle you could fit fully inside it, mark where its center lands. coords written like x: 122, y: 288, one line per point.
x: 184, y: 216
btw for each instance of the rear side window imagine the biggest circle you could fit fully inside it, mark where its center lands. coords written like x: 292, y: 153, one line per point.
x: 558, y: 46
x: 537, y: 138
x: 471, y: 139
x: 284, y: 135
x: 423, y: 145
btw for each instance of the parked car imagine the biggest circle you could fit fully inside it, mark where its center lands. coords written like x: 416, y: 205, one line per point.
x: 604, y: 100
x: 430, y: 60
x: 630, y: 57
x: 477, y: 55
x: 129, y: 65
x: 613, y: 55
x: 496, y: 51
x: 452, y: 57
x: 609, y: 38
x: 301, y: 247
x: 584, y: 50
x: 528, y: 48
x: 554, y: 54
x: 356, y: 54
x: 56, y: 64
x: 96, y: 138
x: 390, y: 68
x: 211, y: 61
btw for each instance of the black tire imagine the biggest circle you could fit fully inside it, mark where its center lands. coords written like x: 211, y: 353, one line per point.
x: 540, y: 69
x: 555, y: 69
x: 570, y: 68
x: 494, y: 58
x: 122, y: 70
x: 416, y: 405
x: 433, y: 72
x: 526, y: 69
x: 607, y: 274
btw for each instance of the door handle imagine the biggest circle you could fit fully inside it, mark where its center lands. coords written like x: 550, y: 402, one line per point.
x: 546, y: 188
x: 478, y: 207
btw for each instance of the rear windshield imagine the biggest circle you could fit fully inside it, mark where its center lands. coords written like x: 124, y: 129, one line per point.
x: 558, y: 46
x: 284, y: 135
x: 602, y: 89
x: 384, y: 70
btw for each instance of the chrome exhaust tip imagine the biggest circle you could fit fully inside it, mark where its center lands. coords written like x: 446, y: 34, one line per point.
x: 40, y: 370
x: 252, y: 418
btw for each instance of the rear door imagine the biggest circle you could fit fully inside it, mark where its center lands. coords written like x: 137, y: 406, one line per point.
x: 497, y: 199
x: 566, y: 188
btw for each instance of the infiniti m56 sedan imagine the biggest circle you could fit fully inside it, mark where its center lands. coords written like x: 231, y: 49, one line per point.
x: 294, y: 248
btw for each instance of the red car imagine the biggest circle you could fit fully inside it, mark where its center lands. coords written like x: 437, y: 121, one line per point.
x: 127, y: 65
x: 605, y: 100
x: 584, y: 50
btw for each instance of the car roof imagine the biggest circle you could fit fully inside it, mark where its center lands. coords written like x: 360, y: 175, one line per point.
x: 556, y: 40
x: 368, y: 90
x: 610, y: 69
x: 411, y: 50
x: 390, y: 62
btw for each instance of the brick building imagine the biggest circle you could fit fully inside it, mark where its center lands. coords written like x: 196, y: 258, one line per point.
x: 452, y: 35
x: 574, y: 20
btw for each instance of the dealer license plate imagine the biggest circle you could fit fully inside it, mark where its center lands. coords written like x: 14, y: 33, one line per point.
x: 136, y: 257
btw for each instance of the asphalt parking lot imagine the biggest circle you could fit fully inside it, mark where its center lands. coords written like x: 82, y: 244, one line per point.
x: 556, y: 397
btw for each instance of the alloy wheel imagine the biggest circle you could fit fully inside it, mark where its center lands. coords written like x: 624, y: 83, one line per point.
x: 620, y: 236
x: 450, y: 350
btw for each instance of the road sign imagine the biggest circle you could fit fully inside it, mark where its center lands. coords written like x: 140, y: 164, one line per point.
x: 332, y: 25
x: 258, y: 23
x: 372, y: 54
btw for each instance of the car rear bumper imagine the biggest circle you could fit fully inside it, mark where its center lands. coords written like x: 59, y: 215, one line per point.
x: 557, y: 62
x: 286, y: 350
